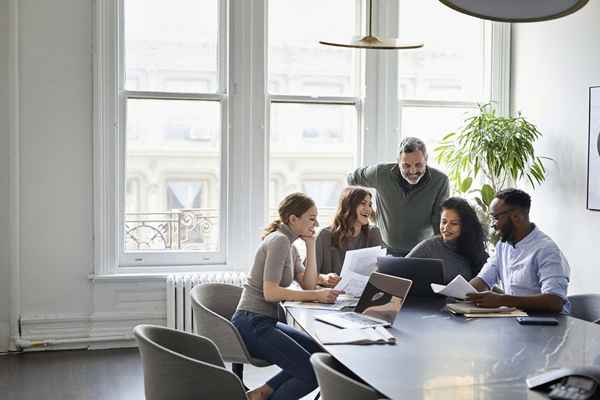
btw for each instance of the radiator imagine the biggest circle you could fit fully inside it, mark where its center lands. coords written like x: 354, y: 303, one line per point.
x: 179, y: 303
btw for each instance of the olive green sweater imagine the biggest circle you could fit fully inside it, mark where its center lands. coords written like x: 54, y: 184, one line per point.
x: 405, y: 218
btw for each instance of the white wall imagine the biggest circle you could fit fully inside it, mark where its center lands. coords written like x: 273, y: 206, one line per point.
x: 4, y: 176
x: 554, y: 63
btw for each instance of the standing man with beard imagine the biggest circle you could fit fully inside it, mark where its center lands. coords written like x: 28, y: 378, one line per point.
x: 409, y: 196
x: 531, y: 267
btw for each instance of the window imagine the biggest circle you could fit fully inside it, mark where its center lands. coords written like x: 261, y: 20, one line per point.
x: 440, y: 84
x: 208, y: 113
x: 314, y: 93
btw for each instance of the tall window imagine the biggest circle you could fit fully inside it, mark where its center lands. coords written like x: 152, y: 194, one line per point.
x: 208, y: 113
x: 441, y: 83
x: 314, y: 98
x: 173, y: 99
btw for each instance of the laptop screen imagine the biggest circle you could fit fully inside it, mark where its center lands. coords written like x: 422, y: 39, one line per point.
x: 383, y: 297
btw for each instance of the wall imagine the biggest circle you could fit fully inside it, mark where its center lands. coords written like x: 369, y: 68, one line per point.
x: 554, y: 63
x: 4, y: 177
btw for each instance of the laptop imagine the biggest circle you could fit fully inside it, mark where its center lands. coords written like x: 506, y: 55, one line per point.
x: 421, y: 271
x: 378, y: 305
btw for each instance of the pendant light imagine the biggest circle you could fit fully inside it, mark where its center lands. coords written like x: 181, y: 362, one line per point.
x: 516, y: 10
x: 372, y: 42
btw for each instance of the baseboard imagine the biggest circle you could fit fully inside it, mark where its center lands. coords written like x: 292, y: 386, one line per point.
x: 79, y: 331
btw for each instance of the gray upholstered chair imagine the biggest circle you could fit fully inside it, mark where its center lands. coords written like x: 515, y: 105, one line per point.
x: 214, y: 304
x: 180, y: 365
x: 586, y: 307
x: 336, y: 385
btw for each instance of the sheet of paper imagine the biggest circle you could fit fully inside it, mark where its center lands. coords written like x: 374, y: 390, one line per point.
x: 358, y: 265
x: 337, y: 306
x: 457, y: 288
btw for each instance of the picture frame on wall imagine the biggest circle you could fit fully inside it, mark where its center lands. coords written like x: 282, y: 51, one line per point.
x: 593, y: 178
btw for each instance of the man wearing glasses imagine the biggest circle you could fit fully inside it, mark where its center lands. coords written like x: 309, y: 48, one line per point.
x: 531, y: 267
x: 409, y: 195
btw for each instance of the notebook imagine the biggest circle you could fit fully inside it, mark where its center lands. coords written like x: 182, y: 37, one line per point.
x: 378, y: 305
x: 376, y: 335
x: 471, y: 311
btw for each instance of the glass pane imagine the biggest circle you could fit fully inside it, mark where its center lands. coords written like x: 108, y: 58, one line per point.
x: 312, y: 150
x: 431, y: 124
x: 298, y: 64
x: 451, y: 64
x: 172, y: 175
x: 171, y: 46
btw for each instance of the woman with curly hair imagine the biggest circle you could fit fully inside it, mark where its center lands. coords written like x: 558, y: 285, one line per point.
x: 350, y: 230
x: 461, y: 242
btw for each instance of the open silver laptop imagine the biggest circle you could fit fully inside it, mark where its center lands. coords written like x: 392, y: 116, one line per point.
x: 379, y: 304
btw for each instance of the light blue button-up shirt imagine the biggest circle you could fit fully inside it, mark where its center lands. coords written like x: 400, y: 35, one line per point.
x: 535, y: 265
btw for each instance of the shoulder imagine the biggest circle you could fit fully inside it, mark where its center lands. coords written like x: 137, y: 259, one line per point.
x: 437, y: 175
x: 544, y: 243
x: 434, y: 241
x: 325, y: 232
x: 373, y: 231
x: 275, y: 240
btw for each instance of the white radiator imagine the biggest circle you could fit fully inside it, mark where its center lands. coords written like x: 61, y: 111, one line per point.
x: 179, y: 303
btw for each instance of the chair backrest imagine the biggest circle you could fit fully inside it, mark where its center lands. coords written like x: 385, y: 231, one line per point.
x: 214, y: 304
x: 179, y: 365
x: 336, y: 385
x: 586, y: 307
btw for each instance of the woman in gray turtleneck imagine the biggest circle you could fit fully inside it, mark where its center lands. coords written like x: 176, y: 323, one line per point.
x: 461, y: 243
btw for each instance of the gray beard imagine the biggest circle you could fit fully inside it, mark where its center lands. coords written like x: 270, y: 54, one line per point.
x: 408, y: 180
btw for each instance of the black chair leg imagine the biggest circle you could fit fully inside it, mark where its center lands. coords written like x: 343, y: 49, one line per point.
x: 238, y: 370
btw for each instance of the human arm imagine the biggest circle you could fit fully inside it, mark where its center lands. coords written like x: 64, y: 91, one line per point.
x: 545, y: 302
x: 277, y: 253
x: 436, y: 211
x: 365, y: 176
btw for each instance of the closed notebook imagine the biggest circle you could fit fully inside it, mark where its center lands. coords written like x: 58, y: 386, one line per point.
x: 471, y: 311
x: 377, y: 335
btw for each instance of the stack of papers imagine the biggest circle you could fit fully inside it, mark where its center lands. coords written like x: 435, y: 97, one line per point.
x: 469, y: 310
x: 358, y: 265
x: 343, y: 301
x: 457, y: 288
x: 377, y: 335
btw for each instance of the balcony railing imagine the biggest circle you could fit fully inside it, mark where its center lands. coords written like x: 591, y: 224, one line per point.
x: 184, y: 229
x: 195, y: 229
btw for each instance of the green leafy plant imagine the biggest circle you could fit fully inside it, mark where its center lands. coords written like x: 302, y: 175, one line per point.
x: 492, y: 151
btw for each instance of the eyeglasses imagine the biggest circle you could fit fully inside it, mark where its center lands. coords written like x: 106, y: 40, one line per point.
x: 496, y: 217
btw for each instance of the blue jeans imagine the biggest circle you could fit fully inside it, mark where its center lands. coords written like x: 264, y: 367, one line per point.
x: 284, y: 346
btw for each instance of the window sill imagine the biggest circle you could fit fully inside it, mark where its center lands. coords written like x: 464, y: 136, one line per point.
x: 149, y: 274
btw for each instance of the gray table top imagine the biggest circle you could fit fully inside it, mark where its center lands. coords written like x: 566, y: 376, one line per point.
x: 441, y: 356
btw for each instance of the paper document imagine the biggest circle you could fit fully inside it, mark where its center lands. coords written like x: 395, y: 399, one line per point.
x: 358, y: 265
x: 472, y: 311
x: 377, y: 335
x: 457, y: 288
x: 340, y: 304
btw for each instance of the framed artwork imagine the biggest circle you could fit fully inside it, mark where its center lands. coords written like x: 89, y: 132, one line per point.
x: 593, y: 194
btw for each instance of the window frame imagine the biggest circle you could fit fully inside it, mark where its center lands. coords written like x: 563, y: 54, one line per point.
x: 245, y: 127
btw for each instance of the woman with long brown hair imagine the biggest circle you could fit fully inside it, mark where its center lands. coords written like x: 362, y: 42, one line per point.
x: 276, y: 264
x: 350, y: 230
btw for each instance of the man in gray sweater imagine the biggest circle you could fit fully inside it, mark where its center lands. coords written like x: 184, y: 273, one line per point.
x: 409, y: 195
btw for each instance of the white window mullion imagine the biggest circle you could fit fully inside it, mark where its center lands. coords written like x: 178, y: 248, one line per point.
x: 248, y: 148
x: 500, y: 67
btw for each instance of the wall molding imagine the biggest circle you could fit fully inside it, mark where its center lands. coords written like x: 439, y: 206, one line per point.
x: 14, y: 171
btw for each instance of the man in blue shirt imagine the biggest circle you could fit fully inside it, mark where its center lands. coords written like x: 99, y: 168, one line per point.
x: 533, y: 271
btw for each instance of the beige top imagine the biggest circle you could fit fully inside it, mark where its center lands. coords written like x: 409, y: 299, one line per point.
x: 277, y: 260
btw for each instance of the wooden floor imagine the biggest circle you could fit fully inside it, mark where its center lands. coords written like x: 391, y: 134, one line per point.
x: 86, y: 375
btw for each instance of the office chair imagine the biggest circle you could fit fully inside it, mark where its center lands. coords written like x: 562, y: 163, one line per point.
x: 335, y: 385
x: 214, y: 304
x: 586, y: 307
x: 182, y: 366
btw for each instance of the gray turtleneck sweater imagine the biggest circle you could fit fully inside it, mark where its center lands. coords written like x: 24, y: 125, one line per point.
x: 454, y: 263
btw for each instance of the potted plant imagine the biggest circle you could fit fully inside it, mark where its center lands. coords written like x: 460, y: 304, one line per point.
x: 489, y: 153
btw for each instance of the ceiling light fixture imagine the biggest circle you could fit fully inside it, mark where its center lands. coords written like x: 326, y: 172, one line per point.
x: 372, y: 42
x: 516, y: 10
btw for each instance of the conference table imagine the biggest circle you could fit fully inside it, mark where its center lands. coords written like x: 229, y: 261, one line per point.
x: 442, y: 356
